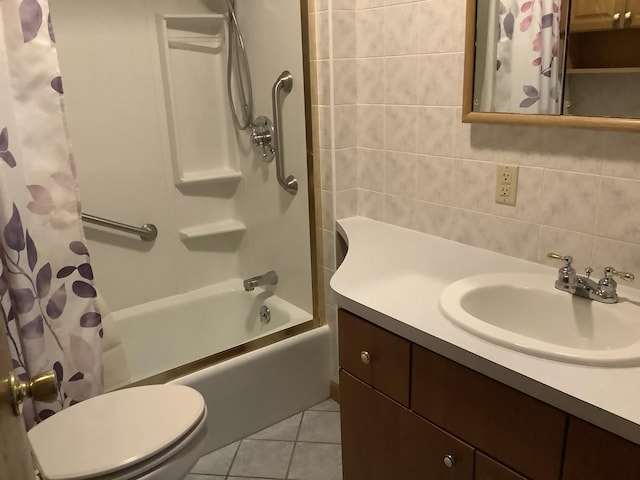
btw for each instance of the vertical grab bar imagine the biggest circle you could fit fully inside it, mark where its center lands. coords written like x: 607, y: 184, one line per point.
x: 283, y: 82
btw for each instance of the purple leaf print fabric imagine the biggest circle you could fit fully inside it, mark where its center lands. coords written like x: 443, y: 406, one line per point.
x: 524, y: 46
x: 47, y: 297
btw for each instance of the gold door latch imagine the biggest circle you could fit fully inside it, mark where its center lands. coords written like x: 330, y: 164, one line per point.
x: 42, y: 388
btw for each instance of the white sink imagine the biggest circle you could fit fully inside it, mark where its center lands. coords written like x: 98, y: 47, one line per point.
x: 525, y: 312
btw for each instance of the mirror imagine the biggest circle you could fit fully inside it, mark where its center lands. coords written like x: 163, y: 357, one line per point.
x: 573, y: 63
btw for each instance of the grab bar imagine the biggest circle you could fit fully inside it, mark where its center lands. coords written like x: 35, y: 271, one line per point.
x: 148, y: 232
x: 284, y: 82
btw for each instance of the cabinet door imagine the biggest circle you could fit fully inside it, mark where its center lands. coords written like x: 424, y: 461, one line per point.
x: 488, y: 469
x: 518, y: 430
x: 375, y: 356
x: 591, y: 15
x: 633, y: 10
x: 593, y: 453
x: 382, y: 440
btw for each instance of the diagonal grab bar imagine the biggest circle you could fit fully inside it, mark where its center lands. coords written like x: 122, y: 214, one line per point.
x: 284, y: 82
x: 148, y: 232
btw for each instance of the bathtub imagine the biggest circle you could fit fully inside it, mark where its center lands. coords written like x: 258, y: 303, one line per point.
x: 245, y: 393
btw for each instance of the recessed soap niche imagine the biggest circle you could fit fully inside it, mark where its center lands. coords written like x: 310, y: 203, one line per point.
x: 193, y: 60
x: 204, y: 149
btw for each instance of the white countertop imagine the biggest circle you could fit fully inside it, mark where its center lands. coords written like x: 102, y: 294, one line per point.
x: 393, y: 277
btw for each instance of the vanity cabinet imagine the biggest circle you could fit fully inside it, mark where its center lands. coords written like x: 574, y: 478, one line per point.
x: 593, y: 15
x: 409, y: 413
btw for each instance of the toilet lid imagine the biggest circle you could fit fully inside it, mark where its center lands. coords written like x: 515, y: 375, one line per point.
x: 114, y: 431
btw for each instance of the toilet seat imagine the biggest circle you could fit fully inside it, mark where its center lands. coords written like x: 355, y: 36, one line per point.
x: 119, y: 435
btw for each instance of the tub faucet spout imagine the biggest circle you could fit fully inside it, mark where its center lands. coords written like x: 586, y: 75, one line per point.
x: 269, y: 278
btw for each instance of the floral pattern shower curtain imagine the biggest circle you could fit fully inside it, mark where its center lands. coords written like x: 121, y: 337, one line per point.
x: 47, y: 298
x: 523, y: 43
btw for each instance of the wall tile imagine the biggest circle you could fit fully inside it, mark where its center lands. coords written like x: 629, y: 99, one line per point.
x: 400, y: 174
x: 370, y: 126
x: 622, y: 256
x: 346, y: 204
x: 436, y: 131
x: 344, y: 34
x: 324, y: 127
x: 622, y: 159
x: 323, y: 45
x: 400, y: 128
x: 576, y: 150
x: 436, y: 33
x: 362, y: 4
x: 472, y: 228
x: 515, y: 238
x: 327, y: 211
x: 440, y: 79
x: 399, y: 211
x: 370, y: 80
x: 435, y: 179
x: 324, y: 82
x: 371, y: 169
x: 345, y: 121
x: 401, y: 26
x: 346, y: 91
x: 519, y: 145
x: 400, y: 81
x: 346, y: 173
x: 433, y: 219
x: 344, y: 5
x: 569, y: 200
x: 329, y: 249
x: 478, y: 179
x: 326, y: 170
x: 369, y: 33
x: 618, y: 214
x: 564, y: 242
x: 371, y: 205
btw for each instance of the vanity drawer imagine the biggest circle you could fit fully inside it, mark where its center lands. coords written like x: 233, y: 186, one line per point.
x: 596, y: 453
x: 488, y: 469
x: 375, y: 356
x: 519, y: 431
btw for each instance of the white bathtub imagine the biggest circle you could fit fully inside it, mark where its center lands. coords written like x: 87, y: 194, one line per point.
x: 243, y: 394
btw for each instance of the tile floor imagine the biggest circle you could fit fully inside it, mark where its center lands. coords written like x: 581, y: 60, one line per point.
x: 303, y: 447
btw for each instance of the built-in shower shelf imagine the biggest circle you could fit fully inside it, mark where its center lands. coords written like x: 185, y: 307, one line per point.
x: 210, y: 176
x: 212, y: 229
x: 198, y: 44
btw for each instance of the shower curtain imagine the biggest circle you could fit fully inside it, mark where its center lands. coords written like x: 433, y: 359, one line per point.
x: 522, y: 46
x: 47, y: 297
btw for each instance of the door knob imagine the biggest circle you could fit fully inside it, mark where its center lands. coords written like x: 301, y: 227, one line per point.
x: 42, y: 388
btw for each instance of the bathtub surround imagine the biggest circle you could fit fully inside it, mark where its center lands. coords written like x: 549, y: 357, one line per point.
x: 47, y: 298
x: 393, y: 148
x: 219, y: 209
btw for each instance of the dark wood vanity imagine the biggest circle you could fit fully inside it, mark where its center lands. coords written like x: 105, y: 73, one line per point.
x: 409, y: 413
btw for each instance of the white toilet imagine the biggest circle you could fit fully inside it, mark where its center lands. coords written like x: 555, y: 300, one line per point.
x: 154, y: 432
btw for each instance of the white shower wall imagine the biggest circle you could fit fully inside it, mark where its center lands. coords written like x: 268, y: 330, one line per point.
x: 115, y: 101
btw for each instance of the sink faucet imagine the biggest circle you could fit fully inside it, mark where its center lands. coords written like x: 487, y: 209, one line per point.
x: 602, y: 291
x: 269, y: 278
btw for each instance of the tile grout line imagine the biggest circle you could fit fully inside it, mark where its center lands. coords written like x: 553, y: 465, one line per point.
x: 295, y: 444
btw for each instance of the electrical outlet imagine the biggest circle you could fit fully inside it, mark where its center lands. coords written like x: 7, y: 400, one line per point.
x: 506, y: 184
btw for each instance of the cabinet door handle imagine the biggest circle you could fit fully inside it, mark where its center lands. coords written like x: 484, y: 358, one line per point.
x: 627, y: 16
x: 365, y: 357
x: 449, y: 461
x: 616, y: 17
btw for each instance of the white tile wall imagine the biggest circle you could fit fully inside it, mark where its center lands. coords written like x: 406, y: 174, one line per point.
x: 418, y: 166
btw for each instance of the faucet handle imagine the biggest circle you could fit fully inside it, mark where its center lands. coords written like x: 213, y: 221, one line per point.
x: 588, y: 271
x: 567, y: 259
x: 626, y: 276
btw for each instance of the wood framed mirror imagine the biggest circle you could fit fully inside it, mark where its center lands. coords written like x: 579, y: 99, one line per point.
x: 554, y: 63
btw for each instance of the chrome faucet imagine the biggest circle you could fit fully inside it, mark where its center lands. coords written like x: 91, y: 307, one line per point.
x: 269, y: 278
x: 602, y: 291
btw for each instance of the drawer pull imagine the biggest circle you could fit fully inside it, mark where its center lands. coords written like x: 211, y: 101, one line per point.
x: 365, y: 357
x: 449, y: 461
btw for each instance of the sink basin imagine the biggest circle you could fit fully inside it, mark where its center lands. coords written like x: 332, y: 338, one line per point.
x: 525, y: 312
